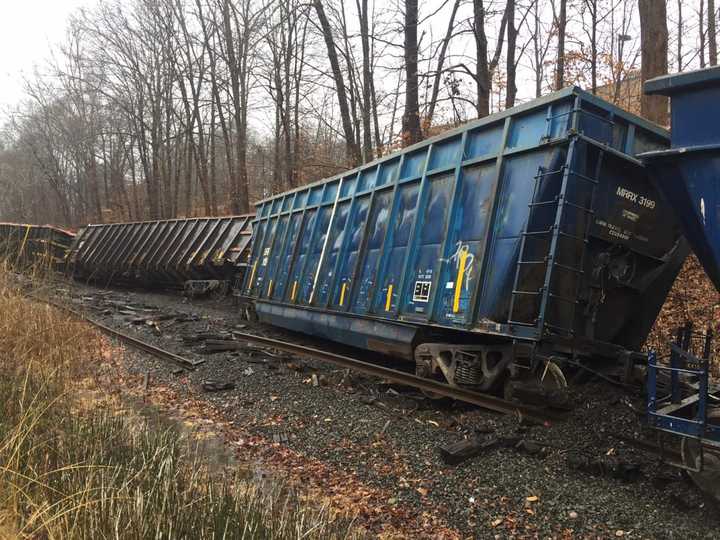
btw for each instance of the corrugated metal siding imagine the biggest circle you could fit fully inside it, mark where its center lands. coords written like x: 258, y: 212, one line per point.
x: 446, y: 232
x: 163, y: 252
x: 25, y: 245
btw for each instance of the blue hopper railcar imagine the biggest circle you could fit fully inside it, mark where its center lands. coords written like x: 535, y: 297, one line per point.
x: 509, y: 243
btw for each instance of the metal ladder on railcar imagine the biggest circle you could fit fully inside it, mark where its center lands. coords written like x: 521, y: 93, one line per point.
x: 545, y: 294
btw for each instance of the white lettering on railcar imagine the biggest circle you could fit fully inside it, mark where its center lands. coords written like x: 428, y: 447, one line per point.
x: 421, y: 292
x: 632, y: 216
x: 636, y: 198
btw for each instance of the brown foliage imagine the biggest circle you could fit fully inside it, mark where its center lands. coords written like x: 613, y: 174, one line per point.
x: 692, y: 298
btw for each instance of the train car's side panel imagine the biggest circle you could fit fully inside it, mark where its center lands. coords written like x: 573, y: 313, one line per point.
x: 35, y: 245
x: 534, y: 224
x: 164, y: 253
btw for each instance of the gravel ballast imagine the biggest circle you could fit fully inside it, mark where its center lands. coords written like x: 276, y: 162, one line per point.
x: 387, y: 438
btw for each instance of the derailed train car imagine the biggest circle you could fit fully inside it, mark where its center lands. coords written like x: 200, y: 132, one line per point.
x: 166, y: 253
x: 524, y: 238
x: 26, y: 245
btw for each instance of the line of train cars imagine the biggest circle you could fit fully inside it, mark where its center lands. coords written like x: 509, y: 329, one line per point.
x: 523, y: 244
x: 519, y: 241
x: 203, y: 254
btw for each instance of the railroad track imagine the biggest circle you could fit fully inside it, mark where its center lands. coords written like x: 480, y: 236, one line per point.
x: 133, y: 342
x: 486, y: 401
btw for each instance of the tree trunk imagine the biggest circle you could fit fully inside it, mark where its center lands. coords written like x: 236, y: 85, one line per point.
x: 440, y: 63
x: 367, y: 86
x: 411, y: 118
x: 680, y: 36
x: 712, y: 35
x: 511, y: 90
x: 482, y: 72
x: 561, y: 24
x: 230, y: 47
x: 351, y: 149
x: 593, y: 44
x: 484, y: 67
x: 537, y: 52
x: 654, y: 47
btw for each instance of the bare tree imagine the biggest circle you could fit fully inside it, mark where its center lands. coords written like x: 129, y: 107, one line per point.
x: 367, y: 84
x: 701, y: 16
x: 561, y: 29
x: 654, y: 38
x: 541, y: 39
x: 352, y: 149
x: 240, y: 24
x: 411, y: 132
x: 680, y: 35
x: 711, y: 33
x: 485, y: 66
x: 439, y: 70
x: 510, y: 65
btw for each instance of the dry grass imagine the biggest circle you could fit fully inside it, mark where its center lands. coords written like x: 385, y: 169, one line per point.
x: 67, y: 471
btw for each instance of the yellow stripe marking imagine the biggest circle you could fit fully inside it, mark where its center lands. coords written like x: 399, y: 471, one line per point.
x: 342, y: 293
x: 270, y: 288
x: 460, y: 279
x: 388, y: 298
x: 252, y: 276
x: 294, y: 291
x: 22, y: 247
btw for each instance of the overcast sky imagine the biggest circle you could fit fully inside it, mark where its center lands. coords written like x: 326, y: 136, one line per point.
x: 27, y: 28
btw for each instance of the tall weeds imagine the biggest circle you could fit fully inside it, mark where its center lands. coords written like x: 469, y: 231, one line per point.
x: 71, y: 471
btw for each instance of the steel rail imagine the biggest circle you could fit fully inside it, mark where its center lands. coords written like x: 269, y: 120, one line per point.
x: 461, y: 394
x: 125, y: 338
x: 485, y: 401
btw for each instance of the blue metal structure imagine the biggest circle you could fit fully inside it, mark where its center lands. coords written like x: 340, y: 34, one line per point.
x: 532, y: 231
x: 690, y: 411
x: 688, y: 175
x: 683, y: 416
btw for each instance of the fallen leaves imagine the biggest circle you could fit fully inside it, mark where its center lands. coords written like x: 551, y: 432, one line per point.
x: 341, y: 490
x: 693, y: 297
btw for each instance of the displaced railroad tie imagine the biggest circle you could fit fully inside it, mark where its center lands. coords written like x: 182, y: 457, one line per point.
x: 212, y: 346
x: 456, y: 453
x: 217, y: 386
x: 626, y: 471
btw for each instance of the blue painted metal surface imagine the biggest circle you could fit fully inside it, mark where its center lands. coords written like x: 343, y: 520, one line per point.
x: 689, y: 173
x: 535, y: 224
x: 688, y: 417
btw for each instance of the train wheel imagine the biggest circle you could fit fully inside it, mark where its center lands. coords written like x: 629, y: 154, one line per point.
x: 708, y: 479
